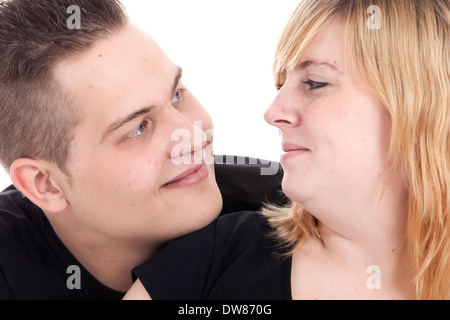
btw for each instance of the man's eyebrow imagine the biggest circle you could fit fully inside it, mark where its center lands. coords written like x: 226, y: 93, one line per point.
x: 177, y: 79
x: 123, y: 121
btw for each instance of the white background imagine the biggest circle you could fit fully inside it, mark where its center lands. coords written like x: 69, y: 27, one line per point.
x: 226, y: 50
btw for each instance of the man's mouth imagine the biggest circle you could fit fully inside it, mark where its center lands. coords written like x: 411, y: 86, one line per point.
x: 189, y: 177
x: 292, y: 150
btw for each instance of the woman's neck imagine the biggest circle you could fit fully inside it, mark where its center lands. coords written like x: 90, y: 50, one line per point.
x: 364, y: 244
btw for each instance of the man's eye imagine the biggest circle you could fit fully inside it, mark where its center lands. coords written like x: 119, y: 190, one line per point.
x: 314, y: 85
x: 139, y: 130
x: 177, y: 96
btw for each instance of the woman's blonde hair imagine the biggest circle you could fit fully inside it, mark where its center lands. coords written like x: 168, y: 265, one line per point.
x: 405, y: 59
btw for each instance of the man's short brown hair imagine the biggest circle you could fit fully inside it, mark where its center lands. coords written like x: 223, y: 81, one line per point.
x: 37, y: 118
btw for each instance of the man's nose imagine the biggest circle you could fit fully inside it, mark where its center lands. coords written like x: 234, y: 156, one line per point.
x: 188, y: 141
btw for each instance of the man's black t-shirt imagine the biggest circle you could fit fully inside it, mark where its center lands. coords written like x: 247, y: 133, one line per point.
x: 35, y: 264
x: 233, y: 258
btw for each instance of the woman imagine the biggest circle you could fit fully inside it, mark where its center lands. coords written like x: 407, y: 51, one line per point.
x: 364, y: 115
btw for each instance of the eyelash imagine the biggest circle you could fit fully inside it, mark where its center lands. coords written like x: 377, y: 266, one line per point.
x: 313, y: 85
x: 180, y: 95
x: 139, y: 131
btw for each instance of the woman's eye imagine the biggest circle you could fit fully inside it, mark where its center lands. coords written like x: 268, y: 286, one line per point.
x: 279, y: 86
x: 139, y: 130
x: 314, y: 85
x: 177, y: 96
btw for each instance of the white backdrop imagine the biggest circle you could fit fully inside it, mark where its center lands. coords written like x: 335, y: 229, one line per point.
x: 225, y: 49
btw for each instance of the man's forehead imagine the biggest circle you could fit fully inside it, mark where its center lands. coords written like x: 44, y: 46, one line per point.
x: 113, y: 50
x: 113, y: 64
x: 126, y: 70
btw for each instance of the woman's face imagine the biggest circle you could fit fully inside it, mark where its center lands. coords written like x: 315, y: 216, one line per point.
x: 335, y: 132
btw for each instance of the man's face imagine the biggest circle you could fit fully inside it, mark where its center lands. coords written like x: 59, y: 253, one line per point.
x: 136, y: 167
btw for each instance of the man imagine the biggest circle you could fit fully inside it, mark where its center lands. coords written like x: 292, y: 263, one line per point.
x: 88, y: 117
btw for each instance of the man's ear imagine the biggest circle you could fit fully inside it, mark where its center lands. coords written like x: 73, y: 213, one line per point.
x: 32, y: 178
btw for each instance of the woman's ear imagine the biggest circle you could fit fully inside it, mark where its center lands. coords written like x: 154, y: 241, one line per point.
x: 33, y: 179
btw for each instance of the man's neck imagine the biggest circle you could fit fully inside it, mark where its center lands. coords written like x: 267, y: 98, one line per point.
x: 109, y: 260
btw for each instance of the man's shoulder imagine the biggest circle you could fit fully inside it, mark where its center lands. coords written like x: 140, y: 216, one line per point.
x: 245, y: 228
x: 248, y: 168
x: 241, y: 222
x: 34, y: 263
x: 23, y: 228
x: 23, y: 247
x: 232, y: 232
x: 215, y: 236
x: 23, y: 225
x: 16, y: 209
x: 246, y: 183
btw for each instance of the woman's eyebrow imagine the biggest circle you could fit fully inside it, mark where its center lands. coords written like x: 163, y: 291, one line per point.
x: 305, y: 64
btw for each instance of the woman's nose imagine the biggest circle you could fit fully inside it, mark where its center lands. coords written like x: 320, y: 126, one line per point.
x: 284, y: 111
